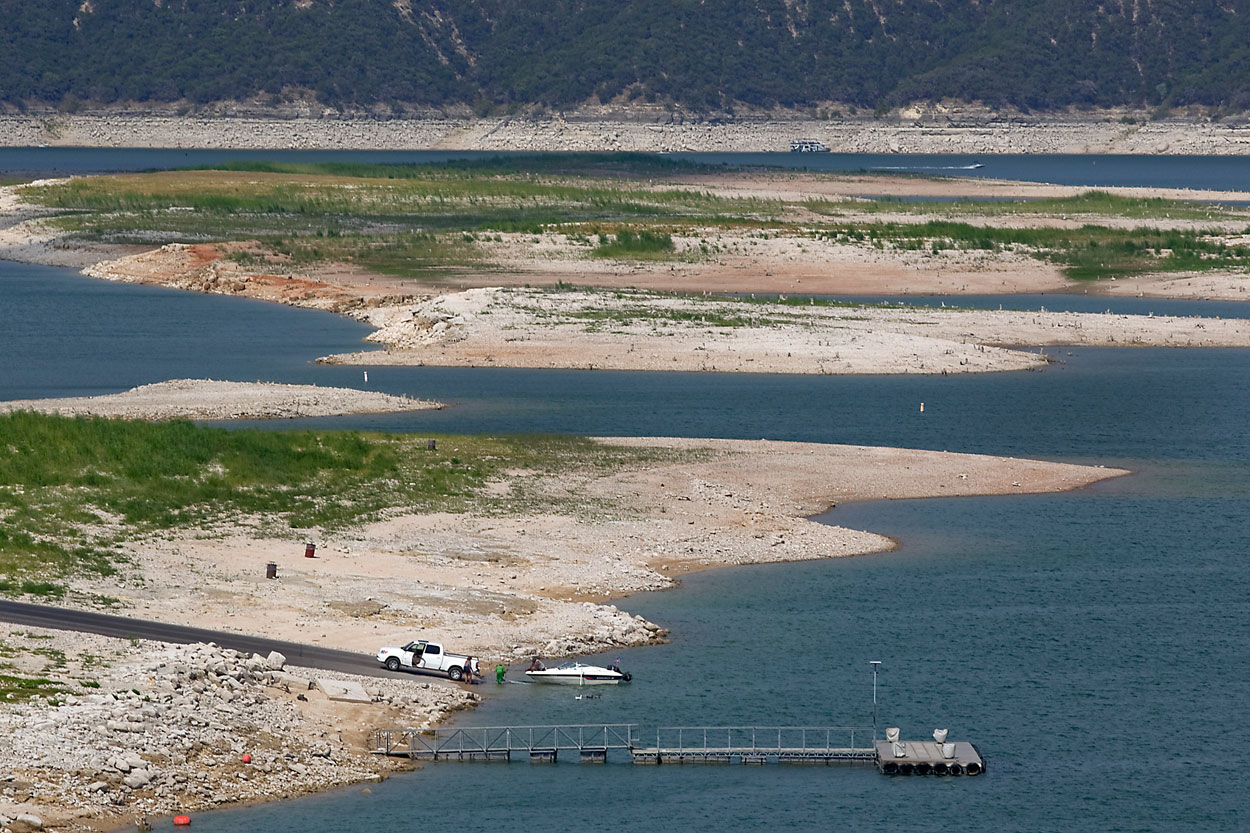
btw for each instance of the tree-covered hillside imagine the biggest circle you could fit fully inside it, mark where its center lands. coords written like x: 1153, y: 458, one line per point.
x: 707, y: 55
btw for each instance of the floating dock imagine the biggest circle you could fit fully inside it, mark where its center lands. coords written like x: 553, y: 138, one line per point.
x: 926, y: 757
x: 746, y: 745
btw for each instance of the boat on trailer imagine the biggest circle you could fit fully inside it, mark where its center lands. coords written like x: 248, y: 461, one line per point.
x: 576, y: 673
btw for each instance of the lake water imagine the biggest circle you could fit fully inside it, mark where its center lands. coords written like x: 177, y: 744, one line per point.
x: 1218, y: 173
x: 68, y: 335
x: 1093, y: 644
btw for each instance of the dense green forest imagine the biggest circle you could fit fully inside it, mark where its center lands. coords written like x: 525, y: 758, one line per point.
x: 701, y: 55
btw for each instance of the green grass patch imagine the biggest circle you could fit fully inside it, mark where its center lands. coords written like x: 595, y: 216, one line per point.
x: 1089, y: 252
x: 634, y: 315
x: 631, y: 307
x: 1093, y: 202
x: 415, y: 255
x: 415, y: 221
x: 14, y: 587
x: 323, y: 200
x: 636, y: 245
x: 412, y: 254
x: 55, y: 657
x: 151, y: 477
x: 24, y: 688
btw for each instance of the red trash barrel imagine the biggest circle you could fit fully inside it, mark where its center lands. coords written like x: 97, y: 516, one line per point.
x: 310, y: 550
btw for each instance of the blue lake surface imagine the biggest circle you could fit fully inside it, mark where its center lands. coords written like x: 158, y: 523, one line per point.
x: 1217, y: 173
x: 68, y: 335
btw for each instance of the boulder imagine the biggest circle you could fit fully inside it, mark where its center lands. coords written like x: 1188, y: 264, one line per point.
x: 137, y: 778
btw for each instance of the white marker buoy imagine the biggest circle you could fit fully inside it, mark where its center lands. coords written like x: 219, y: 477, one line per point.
x: 367, y: 382
x: 922, y: 407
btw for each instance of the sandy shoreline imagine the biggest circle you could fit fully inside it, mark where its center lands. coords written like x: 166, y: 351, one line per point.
x: 568, y: 328
x: 959, y: 130
x: 209, y: 400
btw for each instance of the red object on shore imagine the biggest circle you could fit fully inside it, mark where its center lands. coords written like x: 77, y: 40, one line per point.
x: 310, y: 550
x: 247, y: 759
x: 182, y: 821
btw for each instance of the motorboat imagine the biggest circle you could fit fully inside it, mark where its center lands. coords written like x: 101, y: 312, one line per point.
x: 576, y: 673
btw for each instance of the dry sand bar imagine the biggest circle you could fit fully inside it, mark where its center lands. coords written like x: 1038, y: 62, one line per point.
x: 748, y: 745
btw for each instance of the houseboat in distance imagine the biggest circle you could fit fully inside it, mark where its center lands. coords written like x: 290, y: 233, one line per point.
x: 808, y: 146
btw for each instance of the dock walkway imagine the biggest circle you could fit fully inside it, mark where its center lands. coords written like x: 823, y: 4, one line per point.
x: 748, y: 745
x: 498, y: 743
x: 754, y: 745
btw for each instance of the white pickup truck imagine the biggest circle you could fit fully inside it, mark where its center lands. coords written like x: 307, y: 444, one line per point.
x: 421, y: 655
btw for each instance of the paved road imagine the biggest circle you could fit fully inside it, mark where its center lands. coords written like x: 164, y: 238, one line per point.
x: 311, y: 656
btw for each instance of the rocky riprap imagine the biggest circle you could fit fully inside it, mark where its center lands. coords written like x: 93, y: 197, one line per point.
x: 169, y: 725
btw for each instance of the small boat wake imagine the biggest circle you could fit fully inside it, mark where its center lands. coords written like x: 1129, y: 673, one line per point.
x: 974, y: 166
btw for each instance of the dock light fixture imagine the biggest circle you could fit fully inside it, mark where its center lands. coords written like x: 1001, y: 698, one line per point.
x: 875, y: 663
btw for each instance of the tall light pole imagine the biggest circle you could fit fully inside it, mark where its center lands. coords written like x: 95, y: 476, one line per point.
x: 874, y: 663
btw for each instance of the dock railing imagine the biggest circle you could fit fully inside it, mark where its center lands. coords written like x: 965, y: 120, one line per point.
x: 812, y: 745
x: 748, y: 744
x: 782, y: 742
x: 488, y: 740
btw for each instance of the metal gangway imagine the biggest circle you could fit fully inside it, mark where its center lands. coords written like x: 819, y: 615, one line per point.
x: 591, y: 742
x: 497, y: 743
x: 757, y: 745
